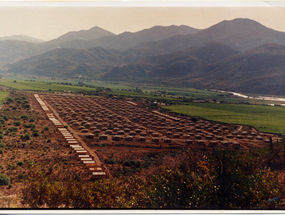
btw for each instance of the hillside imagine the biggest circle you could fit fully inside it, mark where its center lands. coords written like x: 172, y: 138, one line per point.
x: 259, y: 70
x: 214, y: 66
x: 12, y: 51
x: 23, y: 38
x: 238, y: 34
x: 68, y: 62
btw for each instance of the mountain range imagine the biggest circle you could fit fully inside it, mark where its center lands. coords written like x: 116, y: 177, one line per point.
x: 238, y: 55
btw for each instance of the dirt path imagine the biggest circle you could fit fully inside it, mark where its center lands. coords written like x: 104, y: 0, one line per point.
x: 75, y: 134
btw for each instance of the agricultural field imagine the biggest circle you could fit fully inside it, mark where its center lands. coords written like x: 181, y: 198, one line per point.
x: 3, y: 96
x: 41, y: 86
x: 41, y: 83
x: 263, y: 118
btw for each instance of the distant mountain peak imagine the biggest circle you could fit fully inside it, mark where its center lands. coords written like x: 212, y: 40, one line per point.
x: 91, y: 34
x: 96, y: 28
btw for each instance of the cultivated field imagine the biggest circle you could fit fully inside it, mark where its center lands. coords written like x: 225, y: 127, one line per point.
x: 112, y: 127
x: 263, y: 118
x: 41, y: 86
x: 3, y: 96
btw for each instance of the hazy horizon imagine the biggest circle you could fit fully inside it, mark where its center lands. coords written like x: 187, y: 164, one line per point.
x: 52, y: 22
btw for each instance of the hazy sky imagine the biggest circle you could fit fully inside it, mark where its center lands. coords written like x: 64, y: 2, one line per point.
x: 45, y: 22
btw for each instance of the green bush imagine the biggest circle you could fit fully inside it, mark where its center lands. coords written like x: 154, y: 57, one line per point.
x: 4, y: 179
x: 31, y: 163
x: 1, y: 136
x: 32, y: 120
x: 46, y: 128
x: 36, y: 134
x: 26, y: 137
x: 26, y: 106
x: 2, y: 145
x: 17, y: 123
x: 24, y: 117
x: 20, y: 163
x: 127, y: 163
x: 12, y: 129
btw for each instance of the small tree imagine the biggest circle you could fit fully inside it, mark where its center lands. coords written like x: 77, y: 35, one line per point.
x: 4, y: 179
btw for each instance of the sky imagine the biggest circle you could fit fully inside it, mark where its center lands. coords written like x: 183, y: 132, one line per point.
x: 49, y: 21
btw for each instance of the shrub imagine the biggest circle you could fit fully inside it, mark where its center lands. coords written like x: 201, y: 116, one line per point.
x: 46, y: 128
x: 4, y: 179
x: 24, y: 117
x: 26, y: 137
x: 1, y: 136
x: 20, y: 176
x: 127, y: 163
x: 5, y: 118
x: 14, y: 134
x: 138, y: 164
x: 1, y: 151
x: 110, y: 161
x: 32, y: 120
x: 26, y: 106
x: 36, y: 134
x: 2, y: 145
x: 12, y: 129
x: 31, y: 163
x: 33, y: 126
x: 20, y: 163
x: 17, y: 123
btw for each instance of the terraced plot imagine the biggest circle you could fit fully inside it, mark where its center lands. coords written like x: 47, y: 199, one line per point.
x: 123, y: 128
